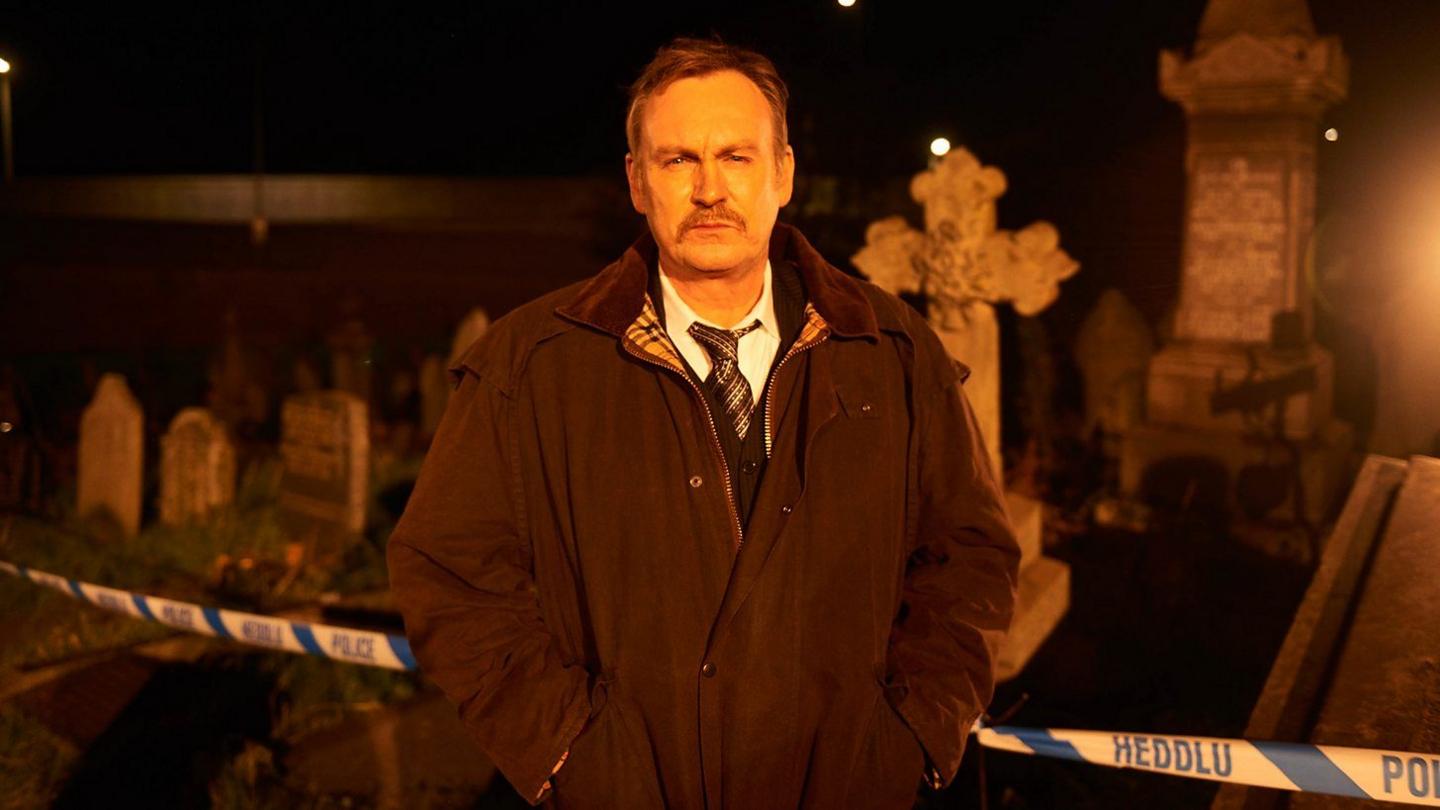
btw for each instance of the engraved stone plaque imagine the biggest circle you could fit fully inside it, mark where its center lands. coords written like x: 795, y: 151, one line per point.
x: 1235, y: 275
x: 325, y: 446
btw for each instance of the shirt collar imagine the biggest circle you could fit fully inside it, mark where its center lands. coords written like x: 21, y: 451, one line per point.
x: 679, y: 315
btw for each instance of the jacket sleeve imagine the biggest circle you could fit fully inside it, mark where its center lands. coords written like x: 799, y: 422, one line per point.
x: 460, y: 569
x: 959, y: 587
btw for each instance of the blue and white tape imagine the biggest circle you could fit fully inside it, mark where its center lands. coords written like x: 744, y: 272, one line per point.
x: 340, y: 643
x: 1395, y: 776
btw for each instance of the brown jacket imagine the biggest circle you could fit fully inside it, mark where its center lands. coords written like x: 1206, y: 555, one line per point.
x: 573, y: 575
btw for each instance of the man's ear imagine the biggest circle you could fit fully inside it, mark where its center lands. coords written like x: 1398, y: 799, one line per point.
x: 637, y: 183
x: 785, y: 169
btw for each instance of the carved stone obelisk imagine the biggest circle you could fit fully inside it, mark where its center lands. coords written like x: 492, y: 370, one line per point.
x: 1243, y: 387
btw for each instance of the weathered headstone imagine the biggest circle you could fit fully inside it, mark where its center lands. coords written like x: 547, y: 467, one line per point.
x: 237, y: 397
x: 197, y: 468
x: 351, y: 359
x: 435, y: 391
x: 1253, y: 89
x: 964, y: 266
x: 1112, y: 350
x: 112, y: 447
x: 325, y: 449
x: 469, y: 331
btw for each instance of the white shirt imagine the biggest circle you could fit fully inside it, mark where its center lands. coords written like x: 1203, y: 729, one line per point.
x: 756, y: 349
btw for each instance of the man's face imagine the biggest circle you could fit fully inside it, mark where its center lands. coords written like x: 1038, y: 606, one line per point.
x: 707, y: 177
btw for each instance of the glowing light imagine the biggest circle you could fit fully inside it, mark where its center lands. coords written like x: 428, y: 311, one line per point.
x: 4, y: 66
x: 939, y: 147
x: 6, y: 427
x: 1332, y: 134
x: 846, y: 3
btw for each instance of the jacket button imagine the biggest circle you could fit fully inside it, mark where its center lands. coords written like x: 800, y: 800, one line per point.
x: 708, y: 670
x: 696, y: 481
x: 787, y: 509
x: 749, y: 467
x: 866, y: 408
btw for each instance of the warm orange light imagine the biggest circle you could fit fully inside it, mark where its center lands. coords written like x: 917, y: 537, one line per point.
x: 4, y: 66
x: 1332, y: 134
x: 847, y: 3
x: 940, y: 147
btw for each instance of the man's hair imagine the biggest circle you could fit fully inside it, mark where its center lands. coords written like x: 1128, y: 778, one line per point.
x: 686, y: 58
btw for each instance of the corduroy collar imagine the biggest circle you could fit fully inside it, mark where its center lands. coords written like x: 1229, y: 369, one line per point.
x: 614, y: 298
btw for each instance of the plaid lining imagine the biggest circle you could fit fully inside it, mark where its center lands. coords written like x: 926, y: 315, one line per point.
x: 647, y: 336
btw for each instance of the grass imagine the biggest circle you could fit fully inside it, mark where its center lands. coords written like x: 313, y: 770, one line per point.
x: 33, y: 762
x: 241, y: 558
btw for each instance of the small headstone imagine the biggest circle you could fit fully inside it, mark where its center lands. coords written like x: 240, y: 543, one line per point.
x: 305, y: 378
x: 1113, y: 350
x: 468, y: 332
x: 197, y: 468
x: 237, y: 397
x: 325, y: 447
x: 112, y: 446
x: 351, y: 359
x: 435, y: 391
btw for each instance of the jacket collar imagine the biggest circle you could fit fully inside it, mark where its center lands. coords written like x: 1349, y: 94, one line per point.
x: 615, y: 298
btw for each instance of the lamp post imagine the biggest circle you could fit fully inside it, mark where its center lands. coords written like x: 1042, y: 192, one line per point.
x: 5, y: 133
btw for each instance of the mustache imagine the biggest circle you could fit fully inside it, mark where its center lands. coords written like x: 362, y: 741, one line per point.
x: 711, y: 216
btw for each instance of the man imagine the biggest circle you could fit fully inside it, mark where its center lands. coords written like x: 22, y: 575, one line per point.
x: 714, y: 528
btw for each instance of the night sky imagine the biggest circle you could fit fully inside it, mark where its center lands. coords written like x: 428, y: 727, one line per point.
x: 1062, y: 95
x: 537, y: 88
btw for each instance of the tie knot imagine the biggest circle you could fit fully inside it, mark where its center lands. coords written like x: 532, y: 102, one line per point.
x: 721, y: 343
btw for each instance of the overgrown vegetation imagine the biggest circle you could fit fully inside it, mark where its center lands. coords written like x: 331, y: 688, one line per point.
x: 33, y: 761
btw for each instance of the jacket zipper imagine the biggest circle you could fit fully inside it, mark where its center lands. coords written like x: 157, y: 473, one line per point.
x: 714, y: 443
x: 770, y: 384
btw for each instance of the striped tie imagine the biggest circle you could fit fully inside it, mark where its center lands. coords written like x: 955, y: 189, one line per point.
x: 725, y: 379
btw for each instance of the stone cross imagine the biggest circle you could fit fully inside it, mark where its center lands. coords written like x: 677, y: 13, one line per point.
x: 112, y: 446
x: 197, y: 468
x: 964, y: 266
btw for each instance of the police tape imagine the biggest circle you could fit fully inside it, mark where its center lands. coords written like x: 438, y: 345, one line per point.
x: 1367, y: 773
x: 340, y: 643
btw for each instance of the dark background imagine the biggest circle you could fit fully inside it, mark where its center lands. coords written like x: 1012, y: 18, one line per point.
x: 1060, y: 94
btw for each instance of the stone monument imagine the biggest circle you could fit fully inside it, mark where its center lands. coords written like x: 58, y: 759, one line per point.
x: 197, y: 468
x: 1243, y: 384
x: 435, y: 391
x: 236, y: 396
x: 325, y: 449
x: 112, y: 447
x: 964, y: 266
x: 469, y: 331
x: 1113, y: 350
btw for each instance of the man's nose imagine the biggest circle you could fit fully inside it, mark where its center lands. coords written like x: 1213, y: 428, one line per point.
x: 709, y: 187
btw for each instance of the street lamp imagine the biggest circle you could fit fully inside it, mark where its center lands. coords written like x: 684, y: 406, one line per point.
x: 5, y: 121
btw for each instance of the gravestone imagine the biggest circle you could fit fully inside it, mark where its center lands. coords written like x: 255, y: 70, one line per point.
x: 237, y: 396
x: 469, y: 331
x: 1113, y: 350
x: 352, y: 366
x: 111, y: 457
x: 435, y: 391
x: 197, y: 468
x: 1243, y: 381
x: 963, y: 266
x: 325, y: 450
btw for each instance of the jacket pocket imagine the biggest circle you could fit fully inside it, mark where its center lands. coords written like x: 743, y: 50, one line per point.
x: 891, y: 763
x: 608, y: 767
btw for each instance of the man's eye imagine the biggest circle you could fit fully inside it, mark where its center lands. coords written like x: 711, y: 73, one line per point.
x: 676, y: 161
x: 739, y: 159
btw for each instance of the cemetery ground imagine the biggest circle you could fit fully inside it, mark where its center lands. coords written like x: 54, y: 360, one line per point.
x: 1171, y: 630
